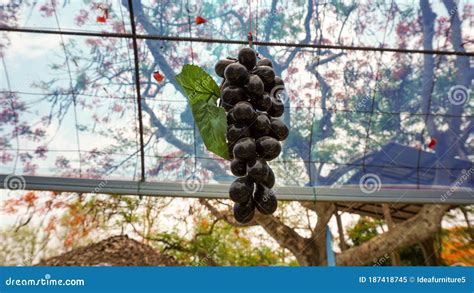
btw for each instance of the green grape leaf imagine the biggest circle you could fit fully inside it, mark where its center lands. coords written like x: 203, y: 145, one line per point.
x: 202, y: 93
x: 197, y: 84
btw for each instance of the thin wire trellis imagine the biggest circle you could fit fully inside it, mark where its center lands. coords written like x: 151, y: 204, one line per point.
x: 134, y: 36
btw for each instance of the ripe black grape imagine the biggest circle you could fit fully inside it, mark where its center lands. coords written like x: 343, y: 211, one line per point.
x: 231, y: 95
x: 265, y: 200
x: 268, y: 148
x: 262, y: 103
x: 230, y: 118
x: 269, y: 180
x: 262, y: 125
x: 243, y: 112
x: 236, y: 132
x: 237, y: 74
x: 248, y: 58
x: 224, y: 85
x: 250, y: 95
x: 265, y: 62
x: 241, y: 190
x: 258, y: 170
x: 230, y: 149
x: 245, y: 149
x: 221, y: 65
x: 238, y: 167
x: 279, y: 129
x: 255, y: 86
x: 266, y: 74
x: 244, y: 212
x: 279, y: 81
x: 277, y: 108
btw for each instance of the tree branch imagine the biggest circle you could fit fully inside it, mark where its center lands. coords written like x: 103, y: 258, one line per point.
x: 307, y: 38
x: 285, y: 236
x: 463, y: 76
x: 428, y: 17
x: 268, y: 28
x: 225, y: 215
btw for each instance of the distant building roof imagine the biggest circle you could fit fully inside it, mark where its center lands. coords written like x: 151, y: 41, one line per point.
x: 396, y: 164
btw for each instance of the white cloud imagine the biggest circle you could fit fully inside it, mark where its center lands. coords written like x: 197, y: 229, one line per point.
x: 32, y: 46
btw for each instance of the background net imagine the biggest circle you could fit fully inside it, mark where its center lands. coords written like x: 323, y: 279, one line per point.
x: 69, y: 107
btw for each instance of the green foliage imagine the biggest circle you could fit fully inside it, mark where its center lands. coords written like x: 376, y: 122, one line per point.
x: 364, y: 230
x: 202, y: 93
x: 220, y: 244
x: 20, y: 247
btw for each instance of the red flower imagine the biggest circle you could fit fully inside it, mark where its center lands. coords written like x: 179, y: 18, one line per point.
x: 200, y: 20
x: 105, y: 13
x: 432, y: 143
x: 157, y: 76
x: 101, y: 19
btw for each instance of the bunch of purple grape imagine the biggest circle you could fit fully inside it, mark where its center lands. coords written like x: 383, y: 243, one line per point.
x: 250, y: 93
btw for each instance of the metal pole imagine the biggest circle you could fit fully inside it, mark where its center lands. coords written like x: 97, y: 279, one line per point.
x: 346, y: 193
x: 137, y: 83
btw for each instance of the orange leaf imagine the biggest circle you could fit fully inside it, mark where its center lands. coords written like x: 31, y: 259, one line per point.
x: 51, y: 225
x: 68, y: 241
x: 30, y: 198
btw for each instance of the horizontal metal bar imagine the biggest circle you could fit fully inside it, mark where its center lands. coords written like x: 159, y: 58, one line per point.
x: 389, y: 194
x: 223, y: 41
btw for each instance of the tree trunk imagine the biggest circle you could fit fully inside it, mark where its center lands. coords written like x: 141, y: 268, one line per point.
x: 340, y: 229
x: 394, y: 256
x: 429, y: 252
x: 411, y: 231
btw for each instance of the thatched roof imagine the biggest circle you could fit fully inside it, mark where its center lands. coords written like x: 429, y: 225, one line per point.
x: 113, y: 251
